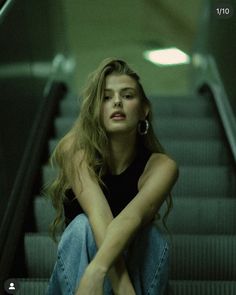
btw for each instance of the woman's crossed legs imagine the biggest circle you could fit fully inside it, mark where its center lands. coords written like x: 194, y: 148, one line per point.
x: 147, y: 260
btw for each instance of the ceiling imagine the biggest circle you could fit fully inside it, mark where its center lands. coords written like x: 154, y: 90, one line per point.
x: 124, y: 29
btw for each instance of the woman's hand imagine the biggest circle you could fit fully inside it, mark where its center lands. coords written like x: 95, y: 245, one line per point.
x: 92, y: 281
x: 126, y: 288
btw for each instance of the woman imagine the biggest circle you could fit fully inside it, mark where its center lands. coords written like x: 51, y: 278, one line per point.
x: 113, y: 178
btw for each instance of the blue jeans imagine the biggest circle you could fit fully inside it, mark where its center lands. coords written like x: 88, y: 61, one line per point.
x: 147, y: 260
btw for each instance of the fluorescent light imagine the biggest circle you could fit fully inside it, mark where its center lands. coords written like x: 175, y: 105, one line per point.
x: 167, y: 57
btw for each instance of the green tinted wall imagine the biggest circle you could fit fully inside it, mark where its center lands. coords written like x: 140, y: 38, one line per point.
x: 31, y: 35
x: 222, y: 44
x: 217, y: 36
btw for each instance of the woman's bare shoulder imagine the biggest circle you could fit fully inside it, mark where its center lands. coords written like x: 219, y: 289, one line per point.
x: 162, y: 161
x: 156, y: 163
x: 160, y: 158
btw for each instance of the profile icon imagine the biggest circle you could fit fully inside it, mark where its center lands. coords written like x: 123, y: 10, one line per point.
x: 11, y: 286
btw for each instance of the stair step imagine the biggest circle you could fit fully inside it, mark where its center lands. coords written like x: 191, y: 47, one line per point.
x: 197, y: 257
x: 160, y: 107
x: 194, y: 181
x: 187, y: 128
x: 201, y: 216
x: 34, y: 286
x: 202, y: 288
x: 180, y: 128
x: 39, y: 286
x: 182, y: 108
x: 186, y: 152
x: 44, y: 214
x: 194, y: 257
x: 180, y: 99
x: 189, y: 216
x: 208, y: 181
x: 40, y: 255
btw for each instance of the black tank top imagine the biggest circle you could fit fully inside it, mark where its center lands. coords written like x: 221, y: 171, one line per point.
x: 119, y: 191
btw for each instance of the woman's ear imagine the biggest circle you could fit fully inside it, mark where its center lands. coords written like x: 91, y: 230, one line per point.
x: 145, y: 111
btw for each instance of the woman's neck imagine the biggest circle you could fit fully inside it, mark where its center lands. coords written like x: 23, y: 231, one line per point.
x: 122, y: 152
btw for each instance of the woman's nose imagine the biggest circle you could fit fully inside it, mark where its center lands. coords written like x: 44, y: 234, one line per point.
x: 117, y: 100
x: 118, y: 104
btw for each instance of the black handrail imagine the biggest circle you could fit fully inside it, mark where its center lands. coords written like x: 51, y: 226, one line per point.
x: 209, y: 75
x: 4, y: 7
x: 20, y: 197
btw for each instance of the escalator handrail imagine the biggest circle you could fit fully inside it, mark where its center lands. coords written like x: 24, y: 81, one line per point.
x: 20, y: 197
x: 210, y: 76
x: 4, y: 8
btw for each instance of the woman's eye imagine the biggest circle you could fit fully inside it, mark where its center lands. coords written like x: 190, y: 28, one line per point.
x: 106, y: 97
x: 128, y: 96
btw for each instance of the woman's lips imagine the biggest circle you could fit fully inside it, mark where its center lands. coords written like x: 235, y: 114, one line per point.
x: 118, y: 117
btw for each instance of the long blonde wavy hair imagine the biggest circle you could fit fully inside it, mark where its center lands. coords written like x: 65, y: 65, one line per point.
x: 88, y: 134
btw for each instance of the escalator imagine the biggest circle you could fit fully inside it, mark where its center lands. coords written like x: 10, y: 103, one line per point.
x: 203, y: 221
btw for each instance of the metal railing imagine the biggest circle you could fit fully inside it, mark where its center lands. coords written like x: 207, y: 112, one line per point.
x: 4, y: 8
x: 18, y: 203
x: 208, y: 74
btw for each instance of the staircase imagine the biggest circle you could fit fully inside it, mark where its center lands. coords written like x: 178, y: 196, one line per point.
x: 203, y: 222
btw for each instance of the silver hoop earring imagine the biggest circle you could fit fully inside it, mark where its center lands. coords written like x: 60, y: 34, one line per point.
x: 143, y: 127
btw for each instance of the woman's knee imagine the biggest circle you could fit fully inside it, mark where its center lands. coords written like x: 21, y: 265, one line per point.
x: 158, y: 248
x: 78, y: 230
x: 152, y: 236
x: 148, y: 260
x: 151, y: 246
x: 75, y: 250
x: 161, y: 245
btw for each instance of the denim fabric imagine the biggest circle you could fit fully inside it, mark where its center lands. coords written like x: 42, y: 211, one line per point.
x: 147, y: 260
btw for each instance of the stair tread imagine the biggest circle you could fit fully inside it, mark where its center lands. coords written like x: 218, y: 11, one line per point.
x: 204, y: 257
x: 160, y: 106
x: 174, y: 128
x: 192, y: 216
x: 187, y: 152
x: 40, y: 254
x: 44, y: 213
x: 37, y: 286
x: 201, y: 216
x: 201, y: 250
x: 191, y: 287
x: 193, y: 180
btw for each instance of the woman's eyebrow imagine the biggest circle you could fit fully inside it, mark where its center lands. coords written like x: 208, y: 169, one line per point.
x: 128, y: 88
x: 122, y: 89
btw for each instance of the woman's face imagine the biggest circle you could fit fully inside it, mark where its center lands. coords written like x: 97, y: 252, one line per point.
x: 122, y: 107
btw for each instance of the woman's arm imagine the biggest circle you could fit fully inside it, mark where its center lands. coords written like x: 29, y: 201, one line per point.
x: 155, y: 183
x: 96, y: 207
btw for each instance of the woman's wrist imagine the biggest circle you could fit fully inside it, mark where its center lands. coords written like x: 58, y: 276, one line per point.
x: 92, y: 280
x: 125, y: 286
x: 96, y: 268
x: 120, y: 279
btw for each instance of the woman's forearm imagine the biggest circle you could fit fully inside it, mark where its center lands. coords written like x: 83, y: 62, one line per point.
x: 100, y: 216
x: 119, y: 277
x: 119, y: 233
x: 118, y: 273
